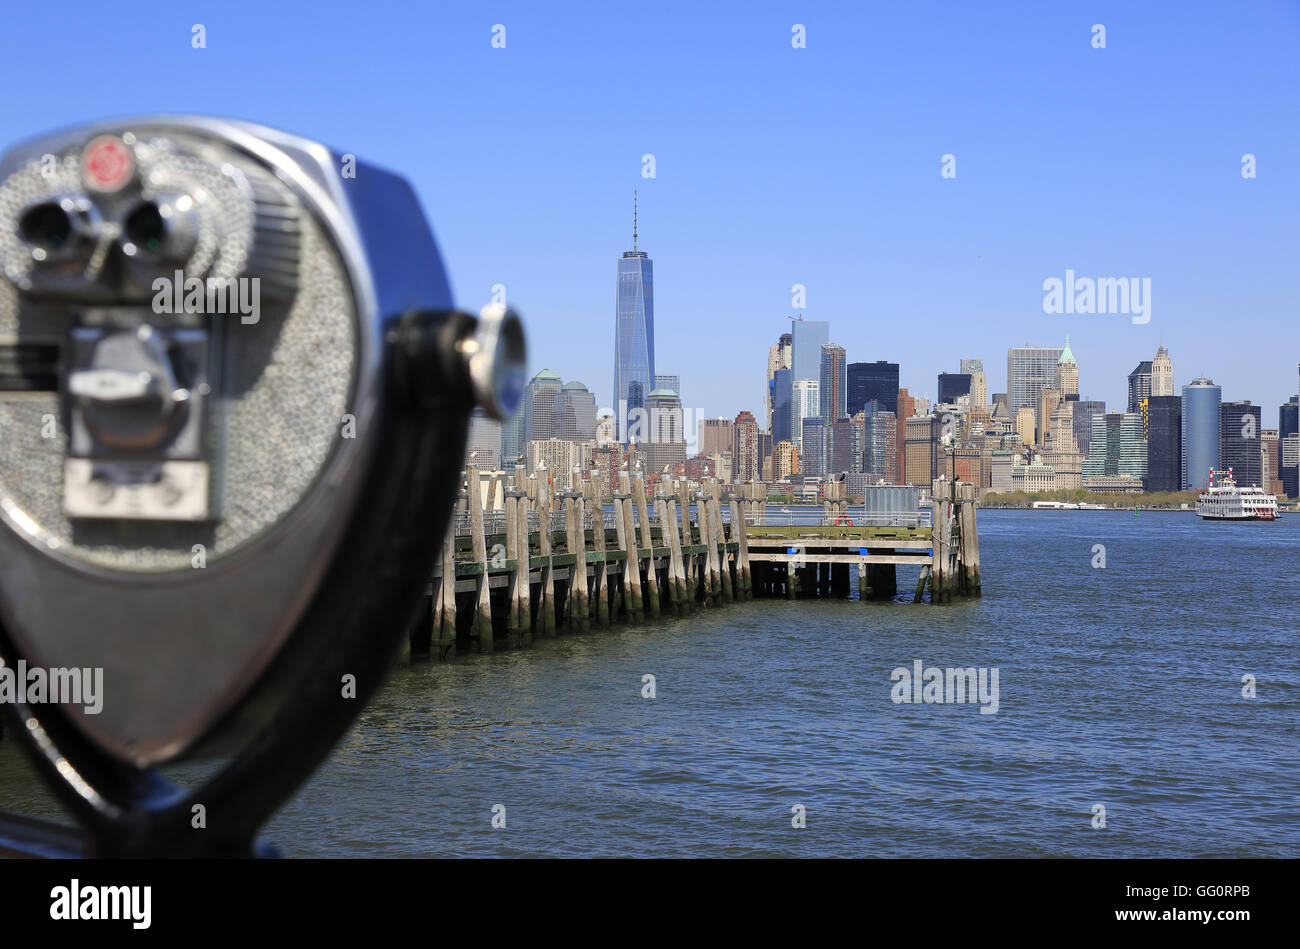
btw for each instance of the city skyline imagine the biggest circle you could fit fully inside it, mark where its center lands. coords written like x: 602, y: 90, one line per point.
x: 775, y: 166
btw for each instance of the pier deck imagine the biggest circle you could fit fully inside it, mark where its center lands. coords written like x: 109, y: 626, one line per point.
x: 529, y: 558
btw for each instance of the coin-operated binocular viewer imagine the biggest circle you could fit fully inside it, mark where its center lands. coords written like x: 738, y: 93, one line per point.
x: 234, y: 397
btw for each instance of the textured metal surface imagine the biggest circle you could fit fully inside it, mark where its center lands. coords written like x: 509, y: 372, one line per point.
x: 180, y: 645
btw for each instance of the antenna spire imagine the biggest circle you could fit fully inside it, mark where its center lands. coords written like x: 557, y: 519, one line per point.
x: 634, y: 219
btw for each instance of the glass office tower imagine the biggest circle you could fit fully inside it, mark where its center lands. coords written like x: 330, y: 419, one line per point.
x: 806, y: 354
x: 634, y: 335
x: 1030, y: 369
x: 1164, y: 443
x: 1200, y: 432
x: 871, y: 380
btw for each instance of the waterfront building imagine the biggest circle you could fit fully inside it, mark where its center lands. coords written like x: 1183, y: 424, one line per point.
x: 634, y: 332
x: 834, y: 382
x: 1200, y: 437
x: 1033, y: 478
x: 1113, y: 484
x: 1000, y: 464
x: 1164, y: 443
x: 1290, y: 463
x: 1030, y: 369
x: 1288, y: 427
x: 1239, y: 442
x: 1117, y: 447
x: 1270, y: 456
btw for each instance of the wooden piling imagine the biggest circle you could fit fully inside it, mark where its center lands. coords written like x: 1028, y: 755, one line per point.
x: 600, y: 591
x: 478, y: 546
x: 652, y: 600
x: 546, y: 621
x: 627, y: 542
x: 444, y: 639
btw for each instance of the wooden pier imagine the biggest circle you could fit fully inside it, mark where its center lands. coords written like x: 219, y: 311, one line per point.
x: 532, y: 555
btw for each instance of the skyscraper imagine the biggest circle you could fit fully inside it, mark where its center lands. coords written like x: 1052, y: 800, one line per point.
x: 871, y: 380
x: 906, y: 409
x: 574, y: 414
x: 745, y: 457
x: 1117, y: 447
x: 1067, y: 373
x: 813, y: 454
x: 953, y: 385
x: 666, y: 444
x: 806, y: 354
x: 979, y: 388
x: 538, y: 413
x: 1030, y: 369
x: 1162, y: 373
x: 715, y: 436
x: 1288, y: 434
x: 1201, y: 400
x: 778, y: 357
x: 673, y: 382
x: 805, y: 404
x: 1139, y: 385
x: 634, y: 331
x: 1239, y: 441
x: 834, y: 383
x: 782, y: 405
x: 1164, y: 443
x: 1084, y: 412
x: 880, y: 444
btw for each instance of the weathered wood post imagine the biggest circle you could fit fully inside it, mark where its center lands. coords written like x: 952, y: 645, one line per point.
x: 970, y: 548
x: 576, y: 606
x: 940, y: 575
x: 682, y: 493
x: 724, y: 555
x: 600, y: 593
x: 545, y: 622
x: 741, y: 537
x: 712, y: 584
x: 445, y: 612
x: 677, y: 566
x: 478, y: 545
x: 666, y: 532
x: 651, y: 589
x: 523, y: 603
x: 627, y: 541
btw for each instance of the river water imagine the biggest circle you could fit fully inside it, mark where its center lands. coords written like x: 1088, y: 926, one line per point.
x: 1119, y: 688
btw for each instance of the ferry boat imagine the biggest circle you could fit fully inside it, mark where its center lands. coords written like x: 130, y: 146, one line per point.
x: 1225, y: 500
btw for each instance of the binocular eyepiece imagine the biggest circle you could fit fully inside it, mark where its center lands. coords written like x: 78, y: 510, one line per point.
x: 234, y: 396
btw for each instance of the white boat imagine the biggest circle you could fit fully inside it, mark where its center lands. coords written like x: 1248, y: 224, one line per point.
x: 1225, y: 500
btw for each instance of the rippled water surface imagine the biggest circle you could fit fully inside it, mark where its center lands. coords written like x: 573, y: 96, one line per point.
x: 1119, y: 686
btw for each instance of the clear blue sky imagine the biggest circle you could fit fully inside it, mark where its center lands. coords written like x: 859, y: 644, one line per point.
x: 777, y: 165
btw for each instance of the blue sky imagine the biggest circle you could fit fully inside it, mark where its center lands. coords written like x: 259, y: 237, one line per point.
x: 776, y: 165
